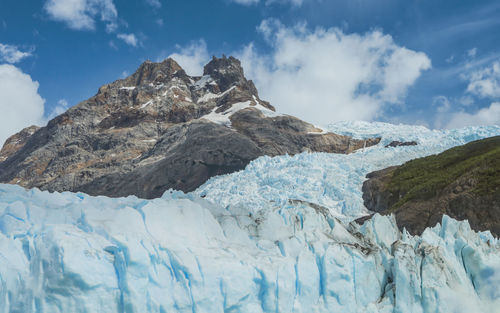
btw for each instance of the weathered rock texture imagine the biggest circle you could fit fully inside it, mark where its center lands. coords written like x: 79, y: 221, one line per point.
x: 15, y: 142
x: 463, y: 183
x: 160, y: 129
x: 396, y: 143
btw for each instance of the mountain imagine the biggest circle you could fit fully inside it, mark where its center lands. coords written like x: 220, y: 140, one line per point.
x: 160, y: 129
x: 462, y: 182
x: 277, y: 236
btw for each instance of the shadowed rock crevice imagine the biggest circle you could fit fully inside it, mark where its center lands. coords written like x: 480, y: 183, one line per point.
x: 158, y: 129
x: 396, y: 143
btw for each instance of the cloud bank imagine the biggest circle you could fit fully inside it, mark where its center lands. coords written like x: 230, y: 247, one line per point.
x: 20, y: 103
x: 295, y: 3
x: 156, y: 4
x: 81, y: 14
x: 482, y: 83
x: 340, y: 76
x: 129, y: 39
x: 485, y: 83
x: 192, y: 57
x: 11, y: 54
x: 245, y: 2
x: 485, y: 116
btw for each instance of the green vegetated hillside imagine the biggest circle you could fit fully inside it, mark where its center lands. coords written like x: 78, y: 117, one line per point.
x: 462, y: 182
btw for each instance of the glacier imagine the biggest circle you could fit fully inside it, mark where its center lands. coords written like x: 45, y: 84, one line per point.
x: 278, y: 236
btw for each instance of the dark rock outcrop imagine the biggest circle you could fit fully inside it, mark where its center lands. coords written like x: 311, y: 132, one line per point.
x: 160, y: 129
x: 463, y: 183
x: 396, y: 143
x: 287, y: 134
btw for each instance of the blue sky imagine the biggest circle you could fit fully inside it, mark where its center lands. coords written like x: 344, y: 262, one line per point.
x: 430, y: 62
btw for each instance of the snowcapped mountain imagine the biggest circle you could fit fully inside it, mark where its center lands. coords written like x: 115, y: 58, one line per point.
x: 277, y: 236
x: 160, y: 129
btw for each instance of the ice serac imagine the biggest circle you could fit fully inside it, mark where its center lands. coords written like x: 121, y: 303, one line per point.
x: 158, y: 129
x: 75, y: 253
x: 275, y: 237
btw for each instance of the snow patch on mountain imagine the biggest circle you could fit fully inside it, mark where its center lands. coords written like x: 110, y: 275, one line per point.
x: 204, y: 81
x: 223, y: 117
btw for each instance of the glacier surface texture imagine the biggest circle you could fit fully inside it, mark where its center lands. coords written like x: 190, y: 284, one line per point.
x: 275, y: 237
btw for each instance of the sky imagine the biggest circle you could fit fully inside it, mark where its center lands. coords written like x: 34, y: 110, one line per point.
x: 429, y: 62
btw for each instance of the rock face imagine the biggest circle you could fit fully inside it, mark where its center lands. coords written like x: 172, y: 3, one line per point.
x: 160, y: 129
x: 463, y: 183
x: 15, y: 142
x: 396, y: 143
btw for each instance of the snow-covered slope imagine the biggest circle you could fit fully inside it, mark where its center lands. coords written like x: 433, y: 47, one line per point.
x: 275, y: 237
x: 332, y: 180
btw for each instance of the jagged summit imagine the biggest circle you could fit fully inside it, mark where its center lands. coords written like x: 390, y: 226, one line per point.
x: 150, y: 72
x: 160, y: 128
x: 227, y: 72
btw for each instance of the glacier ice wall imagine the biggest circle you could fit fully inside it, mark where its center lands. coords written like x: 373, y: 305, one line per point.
x: 276, y: 237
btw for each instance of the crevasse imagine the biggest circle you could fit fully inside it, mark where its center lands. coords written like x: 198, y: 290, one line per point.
x: 275, y: 237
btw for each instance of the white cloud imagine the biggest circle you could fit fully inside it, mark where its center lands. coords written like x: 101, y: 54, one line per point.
x: 472, y: 52
x: 326, y: 75
x: 81, y: 14
x: 323, y: 75
x: 451, y: 113
x: 442, y: 103
x: 401, y: 68
x: 111, y: 27
x: 62, y: 106
x: 193, y: 57
x: 129, y: 39
x: 246, y: 2
x: 270, y: 2
x: 20, y: 103
x: 296, y: 3
x: 485, y: 82
x: 485, y: 116
x: 112, y: 45
x: 154, y: 3
x: 466, y: 101
x: 11, y: 54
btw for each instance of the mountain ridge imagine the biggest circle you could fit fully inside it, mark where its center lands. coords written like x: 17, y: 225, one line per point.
x: 160, y: 128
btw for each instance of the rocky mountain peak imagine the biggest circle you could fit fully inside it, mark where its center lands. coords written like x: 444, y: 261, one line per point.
x: 223, y: 66
x: 152, y: 72
x: 227, y: 72
x: 16, y: 142
x: 158, y: 129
